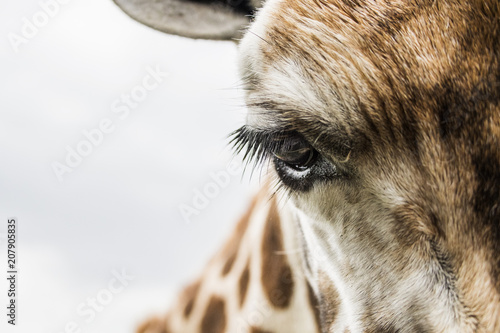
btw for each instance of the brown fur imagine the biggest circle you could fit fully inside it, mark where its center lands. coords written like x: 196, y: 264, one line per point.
x: 154, y: 325
x: 329, y: 301
x: 230, y: 250
x: 277, y: 276
x: 214, y: 319
x: 243, y: 283
x: 229, y: 264
x: 189, y: 296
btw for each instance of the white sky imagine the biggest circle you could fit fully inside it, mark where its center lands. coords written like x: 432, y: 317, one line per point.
x: 119, y: 209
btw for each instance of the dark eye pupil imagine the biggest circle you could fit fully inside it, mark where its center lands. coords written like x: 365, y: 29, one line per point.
x: 296, y: 153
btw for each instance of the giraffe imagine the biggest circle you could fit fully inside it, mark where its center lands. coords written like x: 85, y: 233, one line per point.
x: 380, y: 123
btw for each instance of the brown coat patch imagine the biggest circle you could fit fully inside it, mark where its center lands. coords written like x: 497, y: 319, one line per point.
x: 229, y: 263
x: 189, y: 295
x: 243, y: 283
x: 330, y: 301
x: 154, y: 325
x: 214, y: 320
x: 277, y: 277
x: 230, y: 250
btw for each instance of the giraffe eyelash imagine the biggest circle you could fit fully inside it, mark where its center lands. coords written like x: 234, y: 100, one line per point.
x: 258, y: 144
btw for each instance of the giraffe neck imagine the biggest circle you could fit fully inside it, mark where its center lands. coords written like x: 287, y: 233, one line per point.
x: 255, y: 283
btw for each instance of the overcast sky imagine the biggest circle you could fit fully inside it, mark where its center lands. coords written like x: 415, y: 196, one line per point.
x: 148, y: 116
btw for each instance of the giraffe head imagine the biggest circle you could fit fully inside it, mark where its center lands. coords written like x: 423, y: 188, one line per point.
x: 381, y: 123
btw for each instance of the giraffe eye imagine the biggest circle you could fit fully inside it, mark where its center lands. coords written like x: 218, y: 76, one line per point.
x: 296, y: 153
x: 297, y: 164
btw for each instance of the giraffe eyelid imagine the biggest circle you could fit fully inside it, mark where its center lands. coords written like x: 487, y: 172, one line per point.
x: 260, y: 144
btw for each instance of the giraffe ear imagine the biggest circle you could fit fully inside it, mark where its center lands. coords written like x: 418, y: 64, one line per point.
x: 205, y: 19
